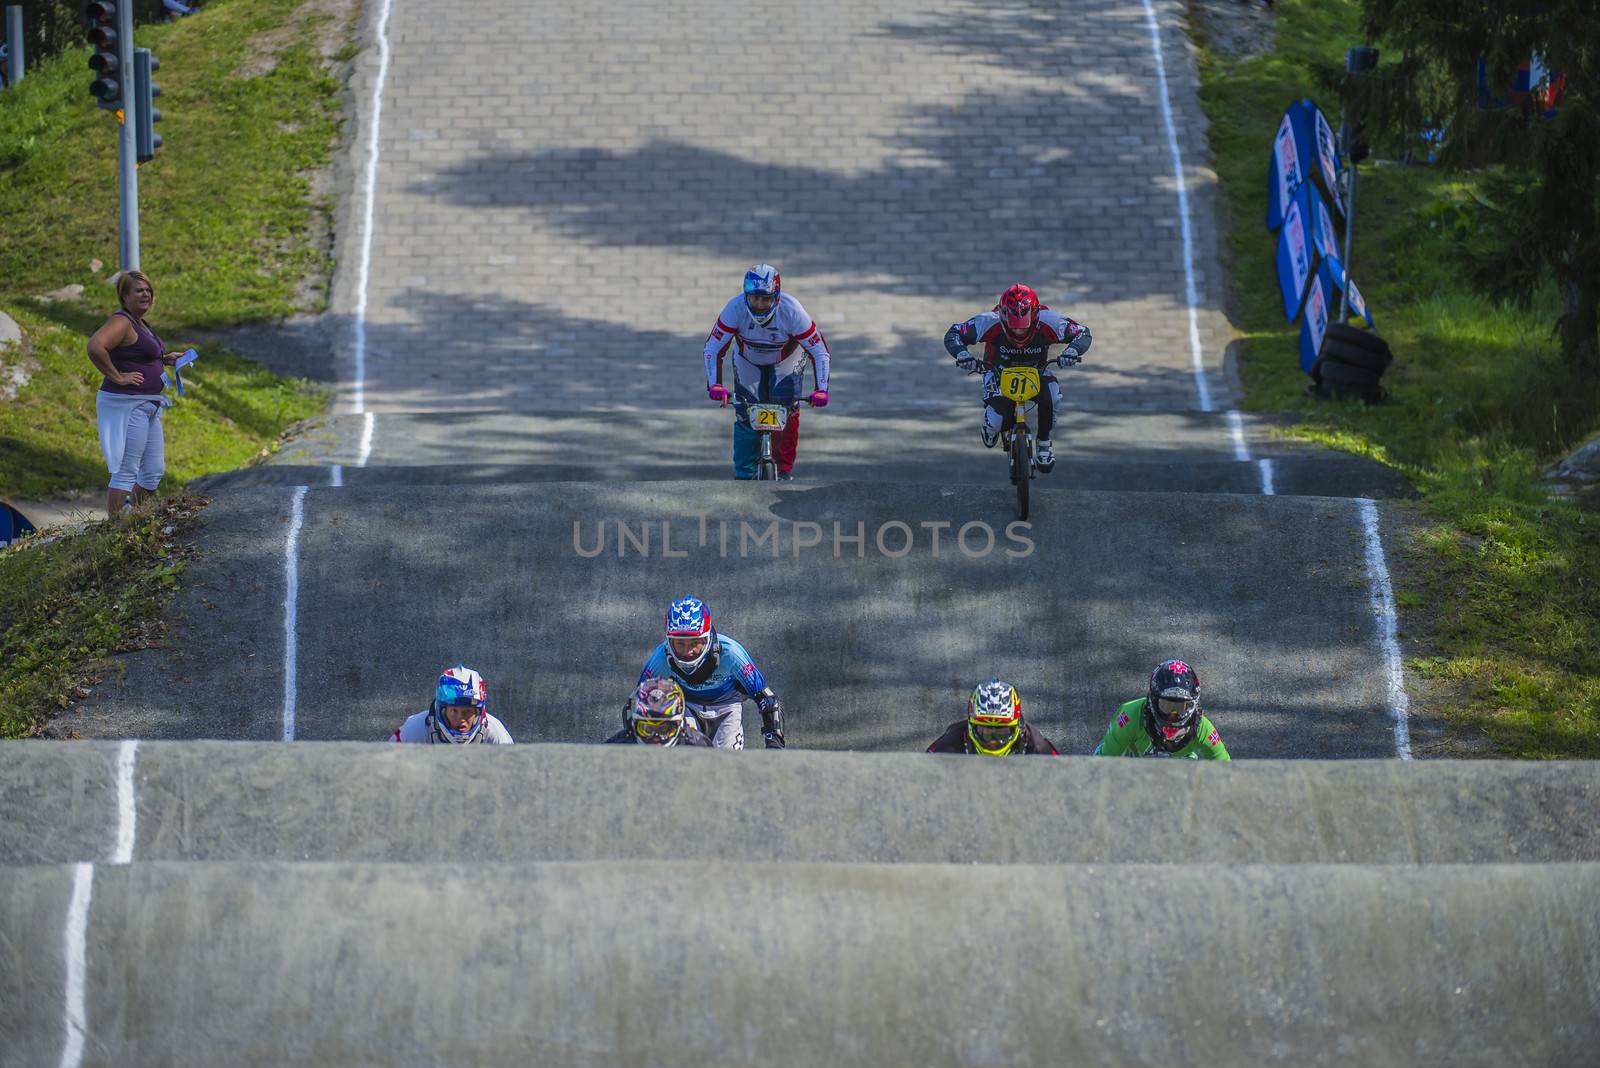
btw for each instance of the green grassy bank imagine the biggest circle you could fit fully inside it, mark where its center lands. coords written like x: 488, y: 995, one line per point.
x: 1499, y: 585
x: 231, y: 234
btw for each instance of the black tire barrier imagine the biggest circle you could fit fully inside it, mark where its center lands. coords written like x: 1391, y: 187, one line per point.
x: 1355, y: 337
x: 1332, y: 371
x: 1335, y: 350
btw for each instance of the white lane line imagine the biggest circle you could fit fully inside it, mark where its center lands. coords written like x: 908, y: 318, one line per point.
x: 1383, y: 611
x: 127, y: 813
x: 1241, y: 451
x: 291, y: 596
x: 1266, y: 477
x: 1190, y: 294
x: 366, y: 439
x: 336, y: 476
x: 76, y: 954
x: 371, y: 191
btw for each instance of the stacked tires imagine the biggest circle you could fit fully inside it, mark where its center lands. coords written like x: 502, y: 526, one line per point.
x: 1351, y: 363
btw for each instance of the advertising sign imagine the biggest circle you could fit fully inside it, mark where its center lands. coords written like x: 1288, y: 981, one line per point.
x: 1324, y: 235
x: 1304, y: 147
x: 1285, y: 174
x: 1294, y: 259
x: 1315, y: 324
x: 13, y: 525
x: 1332, y: 280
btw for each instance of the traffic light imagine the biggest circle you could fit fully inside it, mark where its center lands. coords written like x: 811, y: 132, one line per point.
x: 101, y: 19
x: 145, y: 139
x: 1362, y: 59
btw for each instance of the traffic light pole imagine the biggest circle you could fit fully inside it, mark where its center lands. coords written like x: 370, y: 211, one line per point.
x: 127, y: 164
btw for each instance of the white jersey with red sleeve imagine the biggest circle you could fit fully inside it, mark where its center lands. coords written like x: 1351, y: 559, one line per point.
x: 767, y: 345
x: 419, y: 728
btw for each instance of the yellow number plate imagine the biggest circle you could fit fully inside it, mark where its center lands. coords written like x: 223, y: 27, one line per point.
x: 1019, y: 383
x: 769, y: 417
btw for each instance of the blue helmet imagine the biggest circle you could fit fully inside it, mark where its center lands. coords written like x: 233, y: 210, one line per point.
x: 460, y: 686
x: 690, y: 635
x: 762, y: 279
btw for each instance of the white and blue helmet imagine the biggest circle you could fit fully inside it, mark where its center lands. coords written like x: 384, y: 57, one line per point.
x: 689, y: 618
x: 459, y: 686
x: 763, y: 278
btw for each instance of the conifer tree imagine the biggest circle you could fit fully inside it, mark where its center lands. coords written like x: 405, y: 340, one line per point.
x: 1542, y: 203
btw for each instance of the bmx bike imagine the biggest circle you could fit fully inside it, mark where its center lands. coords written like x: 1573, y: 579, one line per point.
x: 767, y: 420
x: 1021, y: 386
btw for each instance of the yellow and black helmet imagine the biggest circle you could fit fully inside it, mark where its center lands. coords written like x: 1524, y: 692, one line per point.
x: 994, y: 718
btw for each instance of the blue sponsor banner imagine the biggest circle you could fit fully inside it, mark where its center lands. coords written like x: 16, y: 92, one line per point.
x: 1315, y: 323
x: 1303, y: 148
x: 13, y: 524
x: 1286, y: 172
x: 1328, y: 165
x: 1333, y: 280
x: 1295, y: 250
x: 1324, y: 232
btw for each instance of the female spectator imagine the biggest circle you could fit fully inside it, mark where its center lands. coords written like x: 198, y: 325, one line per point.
x: 129, y: 403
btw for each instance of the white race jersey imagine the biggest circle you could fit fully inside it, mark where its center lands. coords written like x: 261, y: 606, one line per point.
x: 765, y: 346
x: 418, y: 729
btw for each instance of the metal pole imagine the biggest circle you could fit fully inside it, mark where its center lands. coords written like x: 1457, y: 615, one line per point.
x: 1349, y: 226
x: 14, y: 43
x: 127, y: 164
x: 1359, y: 60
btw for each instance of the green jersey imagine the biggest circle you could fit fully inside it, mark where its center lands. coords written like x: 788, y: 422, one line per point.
x: 1127, y: 737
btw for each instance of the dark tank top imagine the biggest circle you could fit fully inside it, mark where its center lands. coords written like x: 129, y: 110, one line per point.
x: 143, y: 355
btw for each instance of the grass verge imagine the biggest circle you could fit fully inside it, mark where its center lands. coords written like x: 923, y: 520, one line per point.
x: 1500, y: 595
x: 231, y: 233
x: 227, y: 224
x: 67, y: 604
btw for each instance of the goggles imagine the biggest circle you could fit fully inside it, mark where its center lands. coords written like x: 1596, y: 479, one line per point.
x: 1176, y: 711
x: 657, y: 731
x: 993, y: 739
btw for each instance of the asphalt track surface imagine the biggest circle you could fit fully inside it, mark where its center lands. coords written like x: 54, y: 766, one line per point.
x: 872, y: 643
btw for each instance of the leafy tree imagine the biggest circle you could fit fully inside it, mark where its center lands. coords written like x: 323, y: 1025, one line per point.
x: 52, y: 26
x: 1542, y: 208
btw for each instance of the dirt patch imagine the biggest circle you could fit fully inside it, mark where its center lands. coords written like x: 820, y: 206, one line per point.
x: 334, y: 28
x: 1233, y: 28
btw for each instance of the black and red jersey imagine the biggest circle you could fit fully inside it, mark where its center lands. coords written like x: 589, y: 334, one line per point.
x: 954, y: 740
x: 1001, y: 350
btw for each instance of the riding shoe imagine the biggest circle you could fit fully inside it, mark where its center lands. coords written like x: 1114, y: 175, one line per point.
x: 1045, y: 457
x: 989, y: 436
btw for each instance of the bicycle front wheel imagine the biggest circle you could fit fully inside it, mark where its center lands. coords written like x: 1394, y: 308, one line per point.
x: 1022, y: 468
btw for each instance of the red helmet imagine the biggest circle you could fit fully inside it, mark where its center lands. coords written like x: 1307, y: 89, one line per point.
x: 1018, y: 309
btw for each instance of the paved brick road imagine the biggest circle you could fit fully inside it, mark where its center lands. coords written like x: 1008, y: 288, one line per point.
x: 568, y: 192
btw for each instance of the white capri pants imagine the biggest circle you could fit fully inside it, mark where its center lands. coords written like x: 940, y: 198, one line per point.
x: 723, y: 724
x: 130, y: 439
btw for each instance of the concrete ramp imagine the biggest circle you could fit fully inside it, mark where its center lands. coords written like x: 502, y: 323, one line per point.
x: 671, y: 964
x: 215, y: 801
